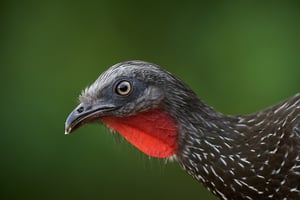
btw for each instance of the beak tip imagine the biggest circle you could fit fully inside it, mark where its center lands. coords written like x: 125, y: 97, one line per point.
x: 68, y: 131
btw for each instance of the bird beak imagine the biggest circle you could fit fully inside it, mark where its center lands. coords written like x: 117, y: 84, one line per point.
x: 85, y: 113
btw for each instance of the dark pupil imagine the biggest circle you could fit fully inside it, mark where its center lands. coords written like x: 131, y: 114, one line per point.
x: 123, y: 87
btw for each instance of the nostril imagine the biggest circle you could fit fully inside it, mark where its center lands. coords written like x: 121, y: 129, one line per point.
x: 80, y: 109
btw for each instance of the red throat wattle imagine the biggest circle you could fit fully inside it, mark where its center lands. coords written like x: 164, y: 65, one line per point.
x: 153, y: 132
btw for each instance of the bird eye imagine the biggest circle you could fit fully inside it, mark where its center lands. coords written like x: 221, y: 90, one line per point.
x: 123, y: 88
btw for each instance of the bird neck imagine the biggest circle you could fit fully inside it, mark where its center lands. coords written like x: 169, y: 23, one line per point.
x: 205, y: 142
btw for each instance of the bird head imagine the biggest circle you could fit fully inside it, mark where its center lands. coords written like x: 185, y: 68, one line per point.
x: 134, y: 99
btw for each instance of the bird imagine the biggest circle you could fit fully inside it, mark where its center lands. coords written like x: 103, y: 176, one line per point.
x: 251, y: 156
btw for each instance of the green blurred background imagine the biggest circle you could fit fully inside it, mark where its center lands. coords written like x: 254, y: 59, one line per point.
x: 238, y: 56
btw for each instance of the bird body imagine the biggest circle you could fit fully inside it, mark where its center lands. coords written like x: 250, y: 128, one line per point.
x: 247, y: 157
x: 253, y: 156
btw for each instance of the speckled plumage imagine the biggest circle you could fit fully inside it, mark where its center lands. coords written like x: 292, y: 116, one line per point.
x: 246, y: 157
x: 253, y: 156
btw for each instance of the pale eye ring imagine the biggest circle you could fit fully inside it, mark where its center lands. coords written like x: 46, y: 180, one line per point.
x: 123, y: 88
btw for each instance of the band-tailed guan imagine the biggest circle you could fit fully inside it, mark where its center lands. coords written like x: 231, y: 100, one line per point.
x: 254, y: 156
